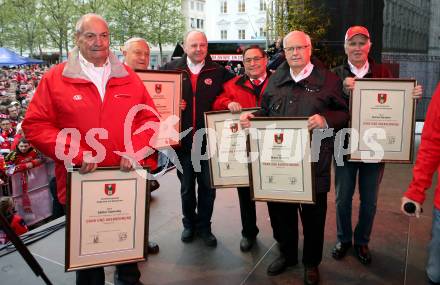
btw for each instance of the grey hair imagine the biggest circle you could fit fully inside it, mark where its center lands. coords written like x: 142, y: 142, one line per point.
x: 189, y: 32
x: 133, y: 40
x: 308, y: 40
x: 80, y: 22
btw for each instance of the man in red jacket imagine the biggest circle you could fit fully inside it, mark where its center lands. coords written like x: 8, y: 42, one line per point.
x: 428, y: 161
x: 245, y: 91
x: 92, y: 91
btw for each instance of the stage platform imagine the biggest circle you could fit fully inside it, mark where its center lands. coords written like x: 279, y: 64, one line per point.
x: 398, y: 245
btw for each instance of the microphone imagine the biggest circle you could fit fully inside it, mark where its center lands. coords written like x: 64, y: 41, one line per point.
x: 410, y: 208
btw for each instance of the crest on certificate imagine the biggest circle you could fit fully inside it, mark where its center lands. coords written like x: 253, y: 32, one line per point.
x: 278, y: 138
x: 234, y: 127
x: 110, y: 189
x: 381, y: 98
x: 158, y: 88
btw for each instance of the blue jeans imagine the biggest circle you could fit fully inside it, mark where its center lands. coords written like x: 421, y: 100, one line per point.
x: 433, y: 267
x: 370, y: 175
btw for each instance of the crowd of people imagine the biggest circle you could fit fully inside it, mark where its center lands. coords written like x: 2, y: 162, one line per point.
x: 291, y: 83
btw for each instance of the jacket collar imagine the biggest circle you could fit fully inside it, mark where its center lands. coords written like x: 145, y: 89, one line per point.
x: 181, y: 63
x: 370, y: 68
x: 314, y: 81
x: 73, y: 70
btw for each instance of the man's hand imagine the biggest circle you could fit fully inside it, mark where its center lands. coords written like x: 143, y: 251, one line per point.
x: 244, y: 120
x: 234, y: 107
x: 416, y: 212
x: 183, y: 105
x: 316, y: 122
x: 126, y: 164
x: 348, y: 84
x: 417, y: 92
x: 87, y: 167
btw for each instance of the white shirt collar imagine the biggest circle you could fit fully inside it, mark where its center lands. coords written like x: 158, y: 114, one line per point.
x: 359, y: 72
x: 194, y: 67
x: 99, y: 76
x: 307, y: 70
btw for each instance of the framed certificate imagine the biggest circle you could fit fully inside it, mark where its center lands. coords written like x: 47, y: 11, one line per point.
x: 280, y: 167
x: 107, y: 218
x: 227, y: 149
x: 382, y: 116
x: 165, y: 88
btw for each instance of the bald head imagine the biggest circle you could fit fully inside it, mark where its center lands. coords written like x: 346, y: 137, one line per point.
x: 298, y: 50
x: 195, y: 45
x: 93, y: 38
x: 136, y: 53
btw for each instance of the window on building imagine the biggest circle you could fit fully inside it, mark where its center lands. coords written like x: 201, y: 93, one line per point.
x: 241, y: 34
x: 224, y: 34
x: 262, y: 32
x: 241, y: 6
x: 263, y: 6
x: 192, y: 5
x: 200, y: 24
x: 224, y: 7
x: 193, y: 23
x: 199, y: 6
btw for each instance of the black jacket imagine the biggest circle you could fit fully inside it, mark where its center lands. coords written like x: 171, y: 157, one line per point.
x: 320, y: 93
x: 209, y: 86
x: 376, y: 70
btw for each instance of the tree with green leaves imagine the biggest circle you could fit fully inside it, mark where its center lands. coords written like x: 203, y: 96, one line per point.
x: 165, y: 23
x: 127, y: 19
x: 305, y: 15
x: 57, y: 17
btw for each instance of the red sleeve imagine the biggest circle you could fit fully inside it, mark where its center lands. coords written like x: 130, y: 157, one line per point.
x: 428, y: 156
x: 226, y: 97
x: 18, y: 225
x: 39, y: 124
x: 148, y: 118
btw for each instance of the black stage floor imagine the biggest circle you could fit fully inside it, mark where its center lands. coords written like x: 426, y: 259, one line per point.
x: 398, y: 245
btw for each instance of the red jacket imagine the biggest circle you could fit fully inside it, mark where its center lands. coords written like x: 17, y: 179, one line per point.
x: 20, y: 160
x: 428, y: 156
x: 66, y: 98
x: 240, y: 90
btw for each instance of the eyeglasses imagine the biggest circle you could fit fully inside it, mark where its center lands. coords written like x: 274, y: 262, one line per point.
x: 298, y: 48
x: 256, y: 59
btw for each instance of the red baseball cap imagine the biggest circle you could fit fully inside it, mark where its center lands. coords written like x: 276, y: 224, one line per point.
x: 356, y: 30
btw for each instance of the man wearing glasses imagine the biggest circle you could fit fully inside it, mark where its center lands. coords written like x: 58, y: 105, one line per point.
x: 300, y: 88
x: 245, y: 92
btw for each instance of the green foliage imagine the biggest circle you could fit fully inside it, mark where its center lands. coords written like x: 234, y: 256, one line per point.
x: 28, y: 24
x: 304, y: 15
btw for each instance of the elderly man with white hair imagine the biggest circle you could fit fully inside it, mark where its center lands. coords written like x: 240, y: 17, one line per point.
x: 300, y: 88
x: 83, y: 93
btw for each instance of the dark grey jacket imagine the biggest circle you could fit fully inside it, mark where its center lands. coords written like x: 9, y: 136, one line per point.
x: 320, y: 93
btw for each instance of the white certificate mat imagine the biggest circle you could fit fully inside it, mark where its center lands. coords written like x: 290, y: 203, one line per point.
x: 226, y: 142
x: 107, y: 218
x: 165, y: 89
x: 280, y: 167
x: 382, y: 117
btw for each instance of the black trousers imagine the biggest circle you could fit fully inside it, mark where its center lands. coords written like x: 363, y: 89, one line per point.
x: 197, y: 207
x: 247, y: 213
x: 284, y: 221
x: 127, y: 273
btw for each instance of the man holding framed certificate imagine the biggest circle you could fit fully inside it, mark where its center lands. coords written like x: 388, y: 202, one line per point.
x: 358, y: 65
x: 301, y: 89
x: 245, y: 91
x: 79, y: 116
